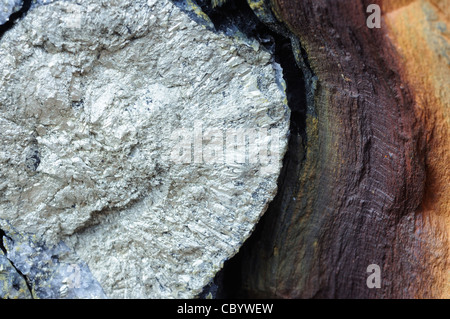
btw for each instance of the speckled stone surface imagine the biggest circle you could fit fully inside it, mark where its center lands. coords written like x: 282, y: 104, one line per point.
x: 145, y: 143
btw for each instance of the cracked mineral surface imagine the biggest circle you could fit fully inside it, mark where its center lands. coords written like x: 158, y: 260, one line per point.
x: 8, y: 7
x: 147, y: 144
x: 37, y: 271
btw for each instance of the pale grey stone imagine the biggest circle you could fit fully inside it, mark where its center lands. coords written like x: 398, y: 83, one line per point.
x: 8, y: 7
x: 93, y: 97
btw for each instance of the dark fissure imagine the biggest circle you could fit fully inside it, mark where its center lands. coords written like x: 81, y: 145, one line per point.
x: 233, y: 16
x: 2, y: 246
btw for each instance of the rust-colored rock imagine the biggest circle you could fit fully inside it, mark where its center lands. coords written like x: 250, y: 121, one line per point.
x: 373, y: 185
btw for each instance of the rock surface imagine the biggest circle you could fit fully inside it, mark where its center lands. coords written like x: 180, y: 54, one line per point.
x: 372, y: 184
x: 44, y: 272
x: 8, y: 7
x: 12, y: 284
x: 101, y: 104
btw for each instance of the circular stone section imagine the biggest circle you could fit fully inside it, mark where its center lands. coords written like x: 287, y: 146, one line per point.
x: 148, y: 144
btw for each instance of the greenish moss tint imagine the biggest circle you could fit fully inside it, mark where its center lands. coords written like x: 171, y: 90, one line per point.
x: 260, y: 9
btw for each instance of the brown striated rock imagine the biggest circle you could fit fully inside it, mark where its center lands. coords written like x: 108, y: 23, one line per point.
x: 373, y: 183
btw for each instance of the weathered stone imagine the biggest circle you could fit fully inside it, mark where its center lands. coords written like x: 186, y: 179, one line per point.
x: 50, y: 272
x: 8, y: 7
x: 12, y: 284
x: 372, y: 184
x: 101, y: 102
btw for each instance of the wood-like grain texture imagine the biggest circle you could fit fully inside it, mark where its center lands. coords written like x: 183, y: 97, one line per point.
x: 373, y: 184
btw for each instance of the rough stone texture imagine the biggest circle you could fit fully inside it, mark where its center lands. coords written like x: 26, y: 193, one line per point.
x: 371, y: 185
x: 8, y: 7
x: 93, y: 97
x: 50, y: 272
x: 12, y: 284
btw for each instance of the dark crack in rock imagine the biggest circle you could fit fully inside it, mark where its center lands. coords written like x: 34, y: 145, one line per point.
x: 7, y: 8
x: 31, y: 269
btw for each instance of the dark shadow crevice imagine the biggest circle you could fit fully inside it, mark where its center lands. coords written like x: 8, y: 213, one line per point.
x: 14, y: 17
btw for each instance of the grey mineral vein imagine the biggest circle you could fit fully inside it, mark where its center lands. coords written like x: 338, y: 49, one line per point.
x: 122, y: 130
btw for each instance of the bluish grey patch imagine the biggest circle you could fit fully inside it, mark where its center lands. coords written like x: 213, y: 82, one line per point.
x: 53, y: 272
